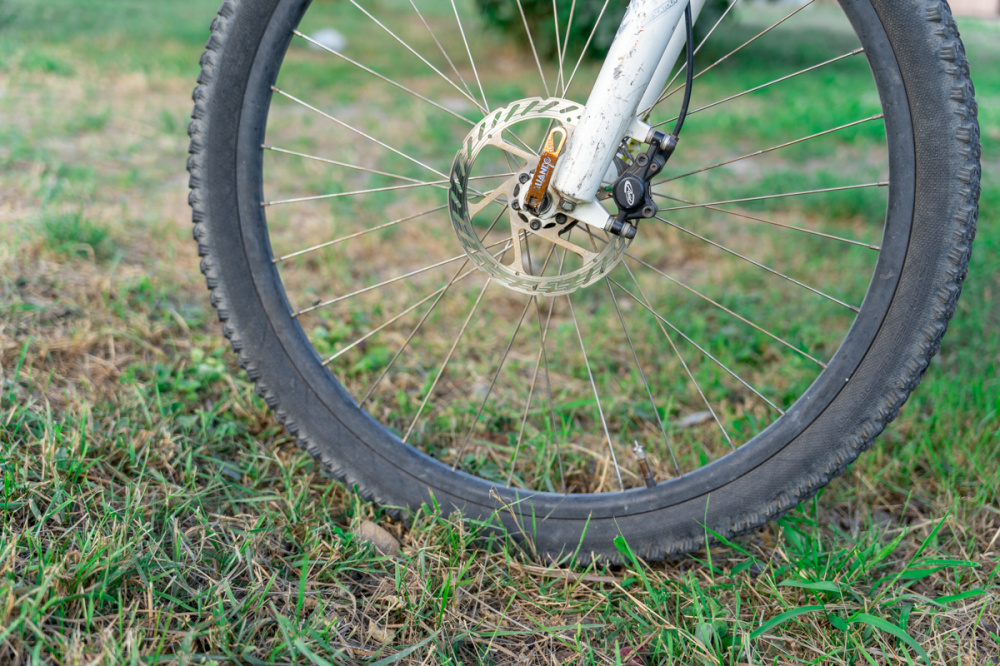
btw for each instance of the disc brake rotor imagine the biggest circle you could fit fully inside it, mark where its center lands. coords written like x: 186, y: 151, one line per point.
x: 548, y: 229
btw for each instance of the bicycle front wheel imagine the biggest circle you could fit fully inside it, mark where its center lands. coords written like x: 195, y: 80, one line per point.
x: 355, y: 196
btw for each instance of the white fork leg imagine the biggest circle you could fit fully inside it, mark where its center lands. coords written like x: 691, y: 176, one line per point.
x: 635, y: 56
x: 677, y: 42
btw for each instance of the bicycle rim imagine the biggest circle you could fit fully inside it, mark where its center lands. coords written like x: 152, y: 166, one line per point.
x: 713, y: 340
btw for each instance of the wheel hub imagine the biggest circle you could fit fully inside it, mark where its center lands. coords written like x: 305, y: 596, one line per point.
x: 537, y: 232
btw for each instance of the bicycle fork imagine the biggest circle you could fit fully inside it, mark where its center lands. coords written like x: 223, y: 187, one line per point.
x: 648, y: 42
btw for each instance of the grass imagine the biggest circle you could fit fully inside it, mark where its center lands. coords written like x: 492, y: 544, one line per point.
x: 153, y: 511
x: 72, y: 234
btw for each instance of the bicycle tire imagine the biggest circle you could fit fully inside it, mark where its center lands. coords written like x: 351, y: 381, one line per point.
x: 930, y: 112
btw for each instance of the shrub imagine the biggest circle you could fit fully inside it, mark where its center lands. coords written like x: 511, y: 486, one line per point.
x: 506, y: 15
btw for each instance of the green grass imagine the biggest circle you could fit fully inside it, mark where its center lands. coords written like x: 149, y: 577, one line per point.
x: 48, y: 37
x: 152, y: 510
x: 74, y: 235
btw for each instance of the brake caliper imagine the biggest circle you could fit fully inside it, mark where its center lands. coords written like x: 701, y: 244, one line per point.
x: 632, y: 192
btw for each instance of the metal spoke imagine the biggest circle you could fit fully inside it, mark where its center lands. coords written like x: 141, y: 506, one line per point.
x: 496, y: 375
x: 454, y: 346
x: 441, y: 48
x: 561, y: 46
x: 420, y: 57
x: 569, y: 29
x: 384, y: 78
x: 441, y: 184
x: 739, y: 48
x: 542, y: 361
x: 356, y: 131
x: 583, y: 53
x: 493, y: 382
x: 697, y: 346
x: 683, y: 67
x: 765, y: 85
x: 489, y: 391
x: 718, y: 305
x: 783, y: 195
x: 538, y: 61
x: 677, y: 353
x: 748, y: 216
x: 359, y: 233
x: 527, y: 402
x: 759, y: 265
x: 527, y: 253
x: 542, y: 334
x: 458, y: 277
x: 355, y: 167
x: 346, y: 165
x: 597, y: 397
x: 727, y: 310
x: 427, y: 314
x: 877, y: 116
x: 642, y: 374
x: 388, y: 282
x: 472, y: 60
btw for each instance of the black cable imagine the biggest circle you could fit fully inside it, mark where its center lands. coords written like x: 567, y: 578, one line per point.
x: 689, y: 25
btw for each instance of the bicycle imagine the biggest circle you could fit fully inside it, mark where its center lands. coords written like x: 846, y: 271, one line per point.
x: 464, y: 287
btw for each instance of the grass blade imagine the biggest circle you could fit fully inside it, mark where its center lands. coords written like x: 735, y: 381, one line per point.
x: 783, y: 617
x: 890, y: 628
x: 392, y: 659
